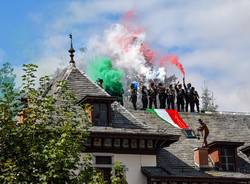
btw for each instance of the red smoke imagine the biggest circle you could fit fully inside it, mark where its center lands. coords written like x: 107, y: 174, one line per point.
x: 127, y: 17
x: 172, y: 59
x: 149, y: 54
x: 125, y: 42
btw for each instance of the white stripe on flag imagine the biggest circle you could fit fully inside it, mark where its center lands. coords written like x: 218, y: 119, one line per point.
x: 162, y: 113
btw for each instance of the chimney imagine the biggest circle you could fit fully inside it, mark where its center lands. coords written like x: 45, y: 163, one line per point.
x: 201, y: 157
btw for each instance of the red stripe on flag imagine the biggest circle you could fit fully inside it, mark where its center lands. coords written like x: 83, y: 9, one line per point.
x: 175, y: 116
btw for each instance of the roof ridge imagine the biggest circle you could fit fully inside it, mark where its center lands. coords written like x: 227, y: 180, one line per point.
x: 68, y: 70
x: 77, y: 81
x: 228, y: 113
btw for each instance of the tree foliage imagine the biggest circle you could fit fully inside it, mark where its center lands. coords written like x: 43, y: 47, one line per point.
x: 118, y: 174
x: 45, y: 147
x: 8, y: 93
x: 208, y: 101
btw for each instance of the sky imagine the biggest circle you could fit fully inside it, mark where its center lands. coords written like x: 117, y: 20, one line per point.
x: 211, y: 38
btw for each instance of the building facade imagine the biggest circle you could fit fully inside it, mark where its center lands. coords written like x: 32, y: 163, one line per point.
x: 152, y: 151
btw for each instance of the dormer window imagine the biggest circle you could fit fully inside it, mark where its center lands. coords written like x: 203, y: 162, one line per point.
x: 98, y: 109
x: 100, y: 114
x: 227, y: 158
x: 224, y: 155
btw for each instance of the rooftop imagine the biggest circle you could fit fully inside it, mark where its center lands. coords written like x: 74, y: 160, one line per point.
x: 178, y: 158
x: 122, y: 120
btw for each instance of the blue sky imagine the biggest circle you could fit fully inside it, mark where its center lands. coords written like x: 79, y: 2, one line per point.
x: 210, y: 37
x: 19, y: 30
x: 27, y: 23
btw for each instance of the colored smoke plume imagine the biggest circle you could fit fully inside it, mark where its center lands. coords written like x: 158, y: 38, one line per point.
x: 125, y: 44
x: 172, y: 59
x: 101, y: 67
x: 124, y: 48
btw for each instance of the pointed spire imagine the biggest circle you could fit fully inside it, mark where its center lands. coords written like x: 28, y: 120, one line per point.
x: 71, y: 51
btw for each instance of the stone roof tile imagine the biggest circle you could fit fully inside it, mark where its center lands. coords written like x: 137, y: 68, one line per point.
x: 82, y: 86
x: 179, y: 155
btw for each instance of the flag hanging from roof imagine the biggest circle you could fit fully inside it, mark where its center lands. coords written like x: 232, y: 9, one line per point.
x: 170, y: 116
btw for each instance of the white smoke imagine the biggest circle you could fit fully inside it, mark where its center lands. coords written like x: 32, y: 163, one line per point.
x: 124, y: 47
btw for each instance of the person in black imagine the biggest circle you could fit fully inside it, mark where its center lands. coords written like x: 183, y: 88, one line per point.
x: 120, y: 97
x: 170, y: 97
x: 180, y: 97
x: 100, y: 82
x: 196, y: 100
x: 188, y: 96
x: 144, y: 97
x: 133, y: 96
x: 162, y: 96
x: 192, y: 99
x: 152, y: 93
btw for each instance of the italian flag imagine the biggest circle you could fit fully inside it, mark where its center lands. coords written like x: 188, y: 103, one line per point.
x: 170, y: 116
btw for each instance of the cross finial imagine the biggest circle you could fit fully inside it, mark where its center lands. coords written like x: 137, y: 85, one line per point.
x: 71, y: 51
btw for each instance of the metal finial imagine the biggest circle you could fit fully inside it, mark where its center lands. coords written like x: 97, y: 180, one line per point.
x: 71, y: 50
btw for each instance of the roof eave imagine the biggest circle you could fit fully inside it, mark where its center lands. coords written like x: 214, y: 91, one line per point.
x: 196, y: 178
x: 225, y: 143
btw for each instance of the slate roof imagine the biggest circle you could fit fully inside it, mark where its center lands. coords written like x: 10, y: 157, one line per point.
x: 78, y: 83
x: 82, y: 86
x: 155, y: 171
x: 178, y: 157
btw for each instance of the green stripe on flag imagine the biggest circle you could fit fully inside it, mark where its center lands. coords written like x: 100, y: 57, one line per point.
x: 153, y: 112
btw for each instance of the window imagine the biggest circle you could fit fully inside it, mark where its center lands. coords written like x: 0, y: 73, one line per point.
x: 227, y: 156
x: 117, y: 143
x: 134, y: 143
x: 223, y: 155
x: 108, y: 142
x: 150, y: 144
x: 103, y: 160
x: 125, y: 143
x: 189, y: 133
x: 100, y: 114
x: 97, y: 142
x: 142, y: 143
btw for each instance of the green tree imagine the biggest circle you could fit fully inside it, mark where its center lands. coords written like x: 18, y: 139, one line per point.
x: 91, y: 176
x: 8, y: 110
x: 46, y: 146
x: 208, y: 103
x: 8, y: 93
x: 118, y: 174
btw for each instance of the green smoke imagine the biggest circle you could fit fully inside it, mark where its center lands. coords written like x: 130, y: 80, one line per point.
x: 102, y: 68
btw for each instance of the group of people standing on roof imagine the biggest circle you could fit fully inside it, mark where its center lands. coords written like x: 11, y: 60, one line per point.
x: 169, y: 97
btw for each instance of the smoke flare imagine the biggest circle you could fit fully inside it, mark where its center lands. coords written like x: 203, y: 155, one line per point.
x: 125, y: 44
x: 172, y: 59
x: 101, y: 67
